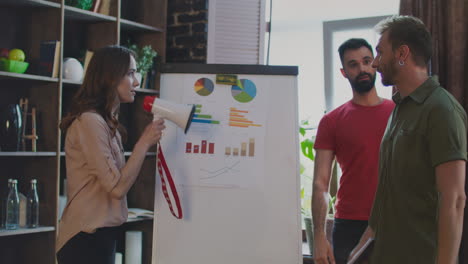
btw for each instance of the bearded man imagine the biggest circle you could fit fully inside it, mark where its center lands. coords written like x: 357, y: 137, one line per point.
x: 352, y: 134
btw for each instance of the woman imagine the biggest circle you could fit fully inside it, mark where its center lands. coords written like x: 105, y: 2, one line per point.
x: 98, y: 178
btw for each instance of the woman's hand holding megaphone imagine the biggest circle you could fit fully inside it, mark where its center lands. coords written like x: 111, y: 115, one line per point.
x: 152, y: 133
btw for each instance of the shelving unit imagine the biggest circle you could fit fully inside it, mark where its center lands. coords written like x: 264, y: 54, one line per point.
x: 23, y: 76
x: 27, y: 24
x: 133, y: 220
x: 73, y: 13
x: 27, y: 154
x: 24, y: 231
x: 32, y: 3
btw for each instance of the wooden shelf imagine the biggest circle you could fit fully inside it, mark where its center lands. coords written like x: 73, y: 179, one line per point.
x: 131, y: 26
x: 74, y: 83
x: 140, y: 219
x: 25, y: 231
x: 11, y: 75
x: 147, y: 91
x: 30, y: 3
x: 77, y: 30
x: 27, y: 154
x: 73, y: 13
x: 149, y: 154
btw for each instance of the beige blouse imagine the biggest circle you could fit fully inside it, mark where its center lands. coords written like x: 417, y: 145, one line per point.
x: 93, y: 161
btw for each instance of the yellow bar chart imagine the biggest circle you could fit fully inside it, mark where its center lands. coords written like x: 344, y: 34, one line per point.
x: 247, y: 149
x: 237, y: 118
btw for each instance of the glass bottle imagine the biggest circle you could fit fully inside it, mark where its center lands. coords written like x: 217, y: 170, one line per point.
x: 3, y: 204
x: 32, y: 211
x: 12, y: 207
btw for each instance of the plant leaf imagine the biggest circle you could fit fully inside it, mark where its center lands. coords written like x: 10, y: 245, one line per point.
x: 307, y: 147
x: 301, y: 169
x: 302, y: 131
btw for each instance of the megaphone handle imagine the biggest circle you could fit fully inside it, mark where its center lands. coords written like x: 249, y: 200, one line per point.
x: 156, y: 117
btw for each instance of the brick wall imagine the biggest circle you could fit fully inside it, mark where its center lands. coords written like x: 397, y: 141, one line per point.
x: 187, y: 31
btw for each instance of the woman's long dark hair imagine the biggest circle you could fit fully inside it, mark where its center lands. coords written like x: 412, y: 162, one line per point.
x: 107, y: 68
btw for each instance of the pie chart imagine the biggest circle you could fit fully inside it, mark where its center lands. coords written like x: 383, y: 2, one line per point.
x: 204, y: 86
x: 245, y: 91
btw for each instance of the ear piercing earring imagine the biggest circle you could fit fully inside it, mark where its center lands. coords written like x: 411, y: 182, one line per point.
x: 401, y: 63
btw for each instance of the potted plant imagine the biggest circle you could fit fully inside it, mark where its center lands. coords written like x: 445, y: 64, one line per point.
x: 144, y: 59
x: 307, y: 150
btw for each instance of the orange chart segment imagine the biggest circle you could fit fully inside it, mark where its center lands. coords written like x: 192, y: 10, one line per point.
x: 237, y: 118
x: 203, y: 86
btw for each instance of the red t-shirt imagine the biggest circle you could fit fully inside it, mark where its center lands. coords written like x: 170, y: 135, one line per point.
x: 354, y: 133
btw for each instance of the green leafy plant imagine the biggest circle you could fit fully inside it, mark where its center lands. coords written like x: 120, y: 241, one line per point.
x: 82, y: 4
x: 307, y: 150
x: 144, y: 57
x: 308, y: 154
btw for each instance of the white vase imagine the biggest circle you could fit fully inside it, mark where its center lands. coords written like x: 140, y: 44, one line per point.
x: 72, y: 70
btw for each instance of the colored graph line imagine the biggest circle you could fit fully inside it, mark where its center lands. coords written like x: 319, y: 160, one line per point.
x: 237, y: 119
x: 202, y: 118
x: 221, y: 171
x: 234, y: 110
x: 241, y: 120
x: 204, y: 121
x: 235, y: 124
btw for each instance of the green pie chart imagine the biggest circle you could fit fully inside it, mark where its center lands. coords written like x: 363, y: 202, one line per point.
x: 245, y: 91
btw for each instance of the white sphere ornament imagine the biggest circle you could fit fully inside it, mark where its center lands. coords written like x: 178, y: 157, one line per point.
x: 72, y: 69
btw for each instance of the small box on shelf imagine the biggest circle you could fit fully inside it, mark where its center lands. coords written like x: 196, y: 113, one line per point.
x: 49, y: 57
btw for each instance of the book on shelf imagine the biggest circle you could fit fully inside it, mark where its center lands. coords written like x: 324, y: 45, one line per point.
x: 49, y: 56
x: 105, y: 6
x: 89, y: 54
x: 134, y: 213
x: 149, y: 79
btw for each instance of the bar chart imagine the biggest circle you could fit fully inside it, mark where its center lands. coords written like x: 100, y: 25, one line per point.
x: 204, y: 147
x: 246, y: 149
x: 199, y: 117
x: 237, y: 118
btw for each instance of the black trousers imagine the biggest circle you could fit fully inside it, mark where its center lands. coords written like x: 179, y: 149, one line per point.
x: 96, y: 248
x: 346, y: 235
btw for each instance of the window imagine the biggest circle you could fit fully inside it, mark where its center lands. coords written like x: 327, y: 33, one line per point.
x: 236, y: 31
x: 337, y: 88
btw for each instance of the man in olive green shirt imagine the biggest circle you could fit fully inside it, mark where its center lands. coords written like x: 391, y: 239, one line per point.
x: 417, y: 215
